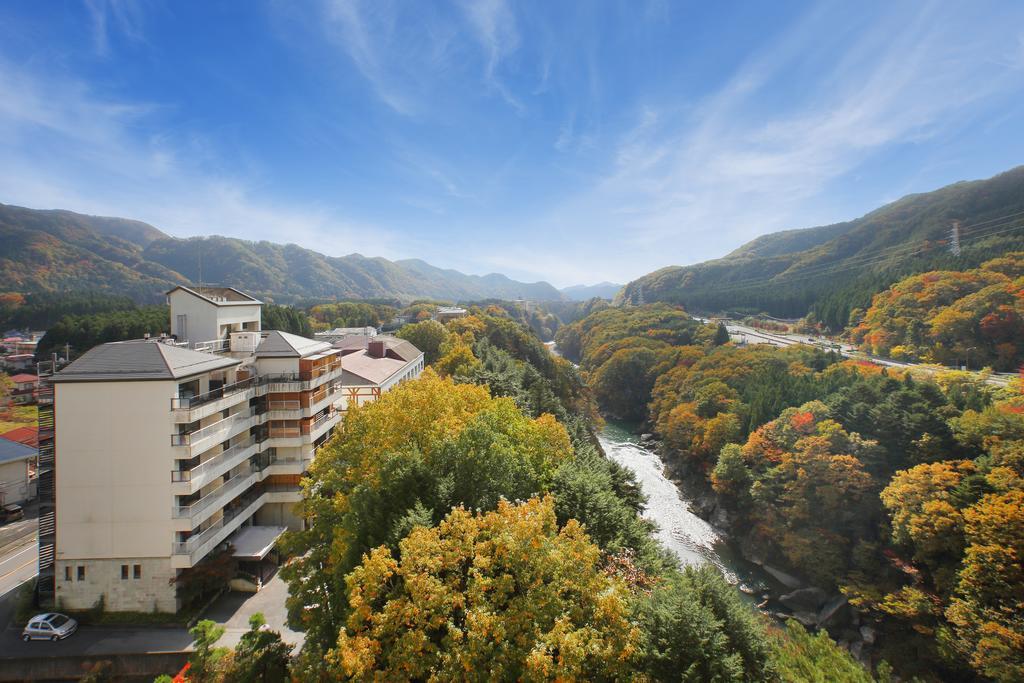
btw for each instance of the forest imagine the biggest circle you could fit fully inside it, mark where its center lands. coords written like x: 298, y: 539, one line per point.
x: 466, y: 526
x: 903, y: 493
x: 972, y: 317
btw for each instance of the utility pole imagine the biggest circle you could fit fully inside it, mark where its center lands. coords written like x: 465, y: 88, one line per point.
x: 954, y: 238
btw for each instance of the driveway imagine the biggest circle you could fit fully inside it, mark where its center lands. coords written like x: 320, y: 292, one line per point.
x: 232, y: 611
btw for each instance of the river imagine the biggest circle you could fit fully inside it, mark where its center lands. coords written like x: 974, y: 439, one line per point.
x: 691, y: 538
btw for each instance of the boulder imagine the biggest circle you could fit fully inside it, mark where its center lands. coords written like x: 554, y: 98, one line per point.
x: 833, y: 611
x: 805, y: 599
x: 787, y: 580
x: 646, y: 438
x: 868, y: 634
x: 808, y: 619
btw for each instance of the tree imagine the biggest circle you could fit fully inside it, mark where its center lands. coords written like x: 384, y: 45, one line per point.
x: 721, y: 335
x: 429, y: 444
x: 501, y: 595
x: 987, y: 612
x: 695, y: 628
x: 457, y: 359
x: 427, y: 336
x: 205, y: 657
x: 799, y: 656
x: 260, y: 656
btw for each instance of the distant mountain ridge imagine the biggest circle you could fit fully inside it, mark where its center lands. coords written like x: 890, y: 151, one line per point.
x: 55, y: 250
x: 602, y: 290
x: 832, y: 269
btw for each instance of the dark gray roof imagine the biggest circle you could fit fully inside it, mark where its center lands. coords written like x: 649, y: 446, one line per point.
x: 219, y: 296
x: 277, y: 344
x: 137, y: 360
x: 12, y: 450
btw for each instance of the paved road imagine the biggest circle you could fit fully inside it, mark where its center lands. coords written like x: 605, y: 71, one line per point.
x: 18, y: 565
x: 754, y: 336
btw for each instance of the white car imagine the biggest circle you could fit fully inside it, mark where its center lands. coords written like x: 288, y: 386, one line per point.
x: 51, y: 626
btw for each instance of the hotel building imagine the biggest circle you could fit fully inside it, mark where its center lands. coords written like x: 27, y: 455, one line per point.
x: 160, y: 451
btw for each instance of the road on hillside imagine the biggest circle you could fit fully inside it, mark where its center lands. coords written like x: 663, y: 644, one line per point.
x: 751, y: 335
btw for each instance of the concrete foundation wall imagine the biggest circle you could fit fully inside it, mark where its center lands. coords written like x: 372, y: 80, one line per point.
x: 152, y: 591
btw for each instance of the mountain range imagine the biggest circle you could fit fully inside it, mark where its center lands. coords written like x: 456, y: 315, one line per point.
x: 602, y: 290
x: 56, y: 250
x: 832, y: 269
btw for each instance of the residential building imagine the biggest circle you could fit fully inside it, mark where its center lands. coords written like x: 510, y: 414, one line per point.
x: 17, y: 362
x: 373, y: 365
x: 446, y: 313
x: 169, y: 448
x: 25, y: 390
x: 17, y: 472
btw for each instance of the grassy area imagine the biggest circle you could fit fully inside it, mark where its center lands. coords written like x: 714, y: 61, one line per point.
x: 19, y: 416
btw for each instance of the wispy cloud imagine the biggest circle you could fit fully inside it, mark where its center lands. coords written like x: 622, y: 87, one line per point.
x: 736, y: 164
x: 125, y: 17
x: 73, y: 148
x: 494, y: 25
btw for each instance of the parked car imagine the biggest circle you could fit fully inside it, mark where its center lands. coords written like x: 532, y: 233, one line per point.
x: 51, y: 626
x: 11, y: 513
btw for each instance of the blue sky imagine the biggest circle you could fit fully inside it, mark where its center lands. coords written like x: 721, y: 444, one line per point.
x: 567, y: 141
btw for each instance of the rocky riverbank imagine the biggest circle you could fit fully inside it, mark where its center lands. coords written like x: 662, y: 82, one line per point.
x: 786, y: 595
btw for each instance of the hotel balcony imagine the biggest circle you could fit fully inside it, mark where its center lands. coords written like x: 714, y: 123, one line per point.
x: 187, y: 553
x: 194, y: 408
x: 187, y: 482
x: 187, y: 517
x: 207, y: 437
x: 288, y: 382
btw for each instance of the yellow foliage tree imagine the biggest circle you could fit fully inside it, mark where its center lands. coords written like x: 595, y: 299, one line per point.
x: 500, y: 596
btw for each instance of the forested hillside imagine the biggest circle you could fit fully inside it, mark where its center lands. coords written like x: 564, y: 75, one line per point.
x: 902, y: 494
x: 832, y: 270
x: 62, y: 251
x: 971, y: 317
x: 466, y: 525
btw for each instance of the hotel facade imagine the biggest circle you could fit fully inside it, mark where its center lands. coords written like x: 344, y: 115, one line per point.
x: 166, y: 449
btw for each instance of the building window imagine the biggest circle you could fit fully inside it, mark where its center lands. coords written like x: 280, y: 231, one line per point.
x: 67, y: 573
x: 124, y: 572
x: 137, y: 571
x: 81, y: 573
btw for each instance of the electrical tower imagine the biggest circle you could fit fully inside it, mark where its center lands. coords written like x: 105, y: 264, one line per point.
x: 954, y: 238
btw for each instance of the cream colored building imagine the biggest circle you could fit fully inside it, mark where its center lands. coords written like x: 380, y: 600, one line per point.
x: 164, y: 453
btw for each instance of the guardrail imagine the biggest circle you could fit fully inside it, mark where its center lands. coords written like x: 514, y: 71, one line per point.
x: 214, y: 499
x: 190, y: 402
x: 191, y: 438
x: 211, y: 464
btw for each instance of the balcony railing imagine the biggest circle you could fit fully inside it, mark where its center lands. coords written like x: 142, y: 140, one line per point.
x: 321, y: 421
x: 213, y: 346
x: 212, y: 535
x: 211, y: 465
x: 190, y: 402
x: 214, y: 500
x: 220, y: 428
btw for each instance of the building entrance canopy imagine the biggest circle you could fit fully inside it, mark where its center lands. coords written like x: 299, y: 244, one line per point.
x: 253, y: 543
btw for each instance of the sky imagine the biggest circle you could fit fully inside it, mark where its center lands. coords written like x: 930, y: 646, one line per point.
x: 572, y: 142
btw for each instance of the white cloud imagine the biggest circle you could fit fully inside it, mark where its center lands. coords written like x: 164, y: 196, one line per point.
x: 64, y: 146
x: 741, y: 163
